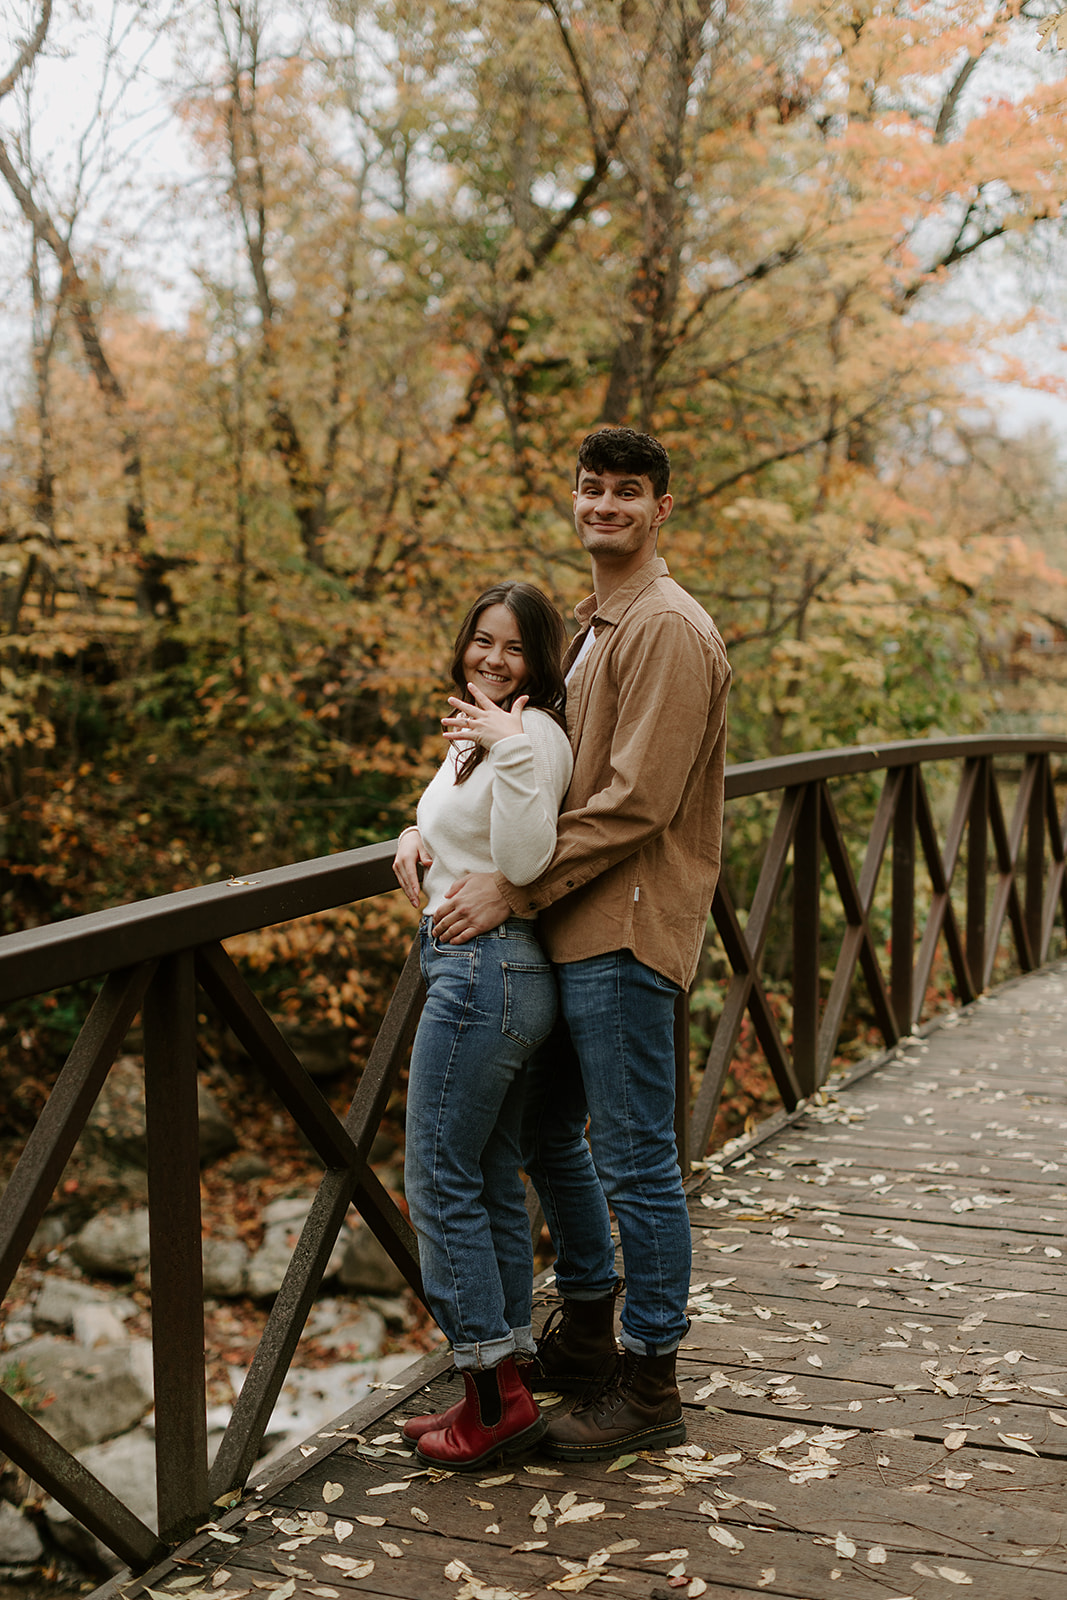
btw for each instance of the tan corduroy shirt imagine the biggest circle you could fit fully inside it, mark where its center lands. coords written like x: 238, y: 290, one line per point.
x: 640, y: 835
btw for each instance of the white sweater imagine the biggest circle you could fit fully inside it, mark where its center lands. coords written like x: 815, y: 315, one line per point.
x: 503, y: 819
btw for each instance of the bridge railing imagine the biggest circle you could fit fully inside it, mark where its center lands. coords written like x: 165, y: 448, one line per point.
x: 1006, y: 873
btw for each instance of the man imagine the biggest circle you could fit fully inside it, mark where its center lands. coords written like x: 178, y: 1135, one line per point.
x: 622, y: 910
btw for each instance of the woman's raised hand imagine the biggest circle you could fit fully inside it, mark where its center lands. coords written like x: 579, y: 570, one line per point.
x: 411, y: 854
x: 481, y: 719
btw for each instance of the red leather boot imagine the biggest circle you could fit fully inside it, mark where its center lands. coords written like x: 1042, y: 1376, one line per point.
x: 498, y: 1416
x: 415, y: 1427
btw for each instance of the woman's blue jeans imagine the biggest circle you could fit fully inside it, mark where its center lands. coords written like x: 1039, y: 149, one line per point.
x: 489, y: 1003
x: 610, y: 1060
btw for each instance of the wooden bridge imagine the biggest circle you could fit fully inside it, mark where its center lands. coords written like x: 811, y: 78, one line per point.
x: 874, y: 1375
x: 875, y: 1379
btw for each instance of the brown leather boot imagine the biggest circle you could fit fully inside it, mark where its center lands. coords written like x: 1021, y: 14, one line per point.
x: 576, y: 1348
x: 639, y: 1409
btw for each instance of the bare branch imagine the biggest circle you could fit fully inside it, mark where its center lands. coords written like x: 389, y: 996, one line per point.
x: 29, y: 52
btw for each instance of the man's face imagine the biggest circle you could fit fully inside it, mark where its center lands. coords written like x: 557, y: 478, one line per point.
x: 617, y: 514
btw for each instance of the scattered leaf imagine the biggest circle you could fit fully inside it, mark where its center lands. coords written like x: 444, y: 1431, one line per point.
x: 580, y: 1513
x: 349, y: 1565
x: 332, y: 1492
x: 1016, y: 1441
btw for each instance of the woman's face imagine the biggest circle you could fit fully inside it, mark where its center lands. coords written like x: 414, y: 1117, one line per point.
x: 493, y: 661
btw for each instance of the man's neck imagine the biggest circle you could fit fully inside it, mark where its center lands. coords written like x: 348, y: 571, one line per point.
x: 611, y: 575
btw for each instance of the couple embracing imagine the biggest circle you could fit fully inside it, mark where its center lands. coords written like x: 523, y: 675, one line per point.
x: 570, y: 845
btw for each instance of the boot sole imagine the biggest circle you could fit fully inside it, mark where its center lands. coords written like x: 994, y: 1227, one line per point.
x: 518, y: 1444
x: 646, y: 1439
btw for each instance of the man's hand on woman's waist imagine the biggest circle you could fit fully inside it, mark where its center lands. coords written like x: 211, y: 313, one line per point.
x: 472, y: 905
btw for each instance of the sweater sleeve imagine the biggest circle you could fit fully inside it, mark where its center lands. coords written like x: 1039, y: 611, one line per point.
x: 530, y: 774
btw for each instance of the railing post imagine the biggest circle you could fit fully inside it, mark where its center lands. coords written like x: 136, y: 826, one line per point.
x: 681, y: 1080
x: 902, y: 961
x: 174, y: 1235
x: 806, y: 911
x: 1035, y: 856
x: 977, y: 864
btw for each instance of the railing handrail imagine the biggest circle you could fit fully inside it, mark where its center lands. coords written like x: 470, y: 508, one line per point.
x: 811, y: 766
x: 88, y: 946
x: 58, y: 953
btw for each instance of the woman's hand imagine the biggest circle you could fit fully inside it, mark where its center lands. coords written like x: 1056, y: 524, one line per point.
x: 411, y: 854
x: 481, y: 720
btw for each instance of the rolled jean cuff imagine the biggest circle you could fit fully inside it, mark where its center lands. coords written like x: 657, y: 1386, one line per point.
x: 489, y: 1353
x: 641, y: 1347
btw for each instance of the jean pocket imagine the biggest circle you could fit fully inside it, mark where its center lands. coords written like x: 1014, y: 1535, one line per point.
x: 664, y: 983
x: 438, y: 948
x: 529, y: 1002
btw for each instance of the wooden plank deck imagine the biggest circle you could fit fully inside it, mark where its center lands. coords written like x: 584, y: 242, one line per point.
x: 875, y: 1380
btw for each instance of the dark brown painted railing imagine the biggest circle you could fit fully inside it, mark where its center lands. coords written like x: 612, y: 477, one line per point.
x: 152, y: 957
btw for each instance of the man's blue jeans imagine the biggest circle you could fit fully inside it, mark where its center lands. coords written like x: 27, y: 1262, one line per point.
x: 488, y: 1004
x: 611, y: 1058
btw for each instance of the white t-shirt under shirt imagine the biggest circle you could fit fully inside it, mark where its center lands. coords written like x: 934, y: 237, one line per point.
x: 503, y: 818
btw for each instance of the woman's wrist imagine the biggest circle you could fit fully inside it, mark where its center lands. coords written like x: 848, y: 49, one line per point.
x: 412, y: 827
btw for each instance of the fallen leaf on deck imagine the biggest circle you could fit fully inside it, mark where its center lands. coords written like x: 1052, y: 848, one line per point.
x: 349, y: 1566
x: 877, y: 1555
x: 582, y: 1513
x: 956, y: 1439
x: 628, y: 1461
x: 388, y: 1488
x: 767, y: 1576
x: 1016, y: 1441
x: 1058, y: 1418
x: 221, y: 1577
x: 419, y: 1514
x: 323, y: 1593
x: 575, y: 1582
x: 341, y: 1530
x: 529, y: 1544
x: 332, y: 1491
x: 844, y: 1547
x: 371, y: 1522
x: 456, y: 1570
x: 724, y: 1537
x: 392, y: 1550
x: 668, y: 1555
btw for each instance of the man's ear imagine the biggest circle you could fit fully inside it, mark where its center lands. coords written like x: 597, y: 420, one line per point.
x: 663, y: 510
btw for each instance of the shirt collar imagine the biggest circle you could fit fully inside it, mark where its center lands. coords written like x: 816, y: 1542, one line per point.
x: 618, y: 603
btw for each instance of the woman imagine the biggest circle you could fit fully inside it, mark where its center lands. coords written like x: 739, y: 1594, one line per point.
x: 492, y: 806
